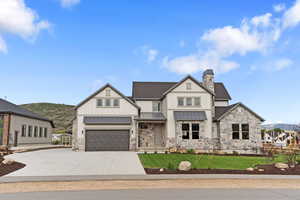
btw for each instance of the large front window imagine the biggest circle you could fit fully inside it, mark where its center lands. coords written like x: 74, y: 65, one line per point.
x: 195, y: 131
x: 235, y: 131
x: 245, y: 131
x: 190, y: 128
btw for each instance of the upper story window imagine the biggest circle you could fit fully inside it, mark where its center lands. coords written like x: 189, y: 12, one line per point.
x: 156, y: 106
x: 107, y: 92
x: 189, y: 101
x: 188, y: 86
x: 108, y: 102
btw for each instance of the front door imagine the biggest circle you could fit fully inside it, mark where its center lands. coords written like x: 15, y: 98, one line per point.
x: 16, y: 138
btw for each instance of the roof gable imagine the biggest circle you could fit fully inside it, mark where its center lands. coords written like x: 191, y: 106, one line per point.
x: 103, y: 88
x: 182, y: 81
x: 221, y: 112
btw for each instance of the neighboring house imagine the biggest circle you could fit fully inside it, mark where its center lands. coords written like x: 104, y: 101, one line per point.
x: 159, y: 115
x: 19, y: 126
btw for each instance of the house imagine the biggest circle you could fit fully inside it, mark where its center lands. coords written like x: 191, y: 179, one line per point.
x: 19, y: 126
x: 160, y: 115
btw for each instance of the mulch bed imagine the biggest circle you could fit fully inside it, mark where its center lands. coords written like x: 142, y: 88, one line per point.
x: 268, y: 169
x: 7, y: 169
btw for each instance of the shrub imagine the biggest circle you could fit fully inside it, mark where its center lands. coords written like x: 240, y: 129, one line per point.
x: 55, y: 142
x: 191, y: 151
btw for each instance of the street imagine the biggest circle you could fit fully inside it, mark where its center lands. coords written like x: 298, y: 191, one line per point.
x: 164, y: 194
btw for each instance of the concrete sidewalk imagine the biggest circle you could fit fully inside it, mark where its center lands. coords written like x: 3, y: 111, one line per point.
x: 9, y: 179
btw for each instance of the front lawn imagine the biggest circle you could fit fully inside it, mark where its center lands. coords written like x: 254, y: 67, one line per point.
x: 205, y: 161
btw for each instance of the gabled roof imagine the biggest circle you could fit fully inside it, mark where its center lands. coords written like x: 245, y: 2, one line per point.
x: 10, y: 108
x: 221, y: 112
x: 101, y: 89
x: 186, y: 78
x: 155, y: 90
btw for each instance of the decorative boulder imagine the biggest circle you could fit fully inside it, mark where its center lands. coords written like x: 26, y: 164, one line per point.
x: 8, y: 161
x: 185, y: 166
x: 250, y: 169
x: 161, y: 169
x: 281, y: 166
x: 261, y: 170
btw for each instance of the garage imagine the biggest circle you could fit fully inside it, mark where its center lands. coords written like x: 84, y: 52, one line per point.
x: 107, y: 140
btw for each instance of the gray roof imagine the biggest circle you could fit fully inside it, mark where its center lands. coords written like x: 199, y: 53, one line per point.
x: 151, y: 116
x: 10, y: 108
x: 155, y: 90
x: 117, y: 120
x: 220, y: 112
x: 190, y: 116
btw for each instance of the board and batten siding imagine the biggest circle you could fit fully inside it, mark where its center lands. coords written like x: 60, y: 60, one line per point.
x: 89, y: 108
x: 16, y: 124
x: 195, y: 91
x: 146, y: 106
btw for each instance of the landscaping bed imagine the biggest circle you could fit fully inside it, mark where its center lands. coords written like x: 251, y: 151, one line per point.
x: 215, y: 164
x: 267, y: 169
x: 7, y: 169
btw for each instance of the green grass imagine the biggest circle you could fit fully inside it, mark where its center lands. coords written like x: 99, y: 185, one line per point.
x: 205, y: 161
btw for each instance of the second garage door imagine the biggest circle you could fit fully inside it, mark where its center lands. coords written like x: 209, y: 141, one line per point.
x: 107, y: 140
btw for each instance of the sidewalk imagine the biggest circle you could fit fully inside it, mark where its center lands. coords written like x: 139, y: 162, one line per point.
x: 8, y: 179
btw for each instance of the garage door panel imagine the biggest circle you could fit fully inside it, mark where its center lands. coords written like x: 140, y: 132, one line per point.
x: 107, y: 140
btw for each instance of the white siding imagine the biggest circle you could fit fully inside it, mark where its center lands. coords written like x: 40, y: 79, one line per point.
x: 16, y: 125
x: 146, y: 106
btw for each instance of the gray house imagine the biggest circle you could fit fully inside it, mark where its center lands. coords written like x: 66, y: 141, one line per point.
x: 159, y: 115
x: 19, y: 126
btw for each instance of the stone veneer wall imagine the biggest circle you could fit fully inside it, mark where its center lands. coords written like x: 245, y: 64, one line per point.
x: 240, y: 116
x: 147, y: 136
x: 203, y: 143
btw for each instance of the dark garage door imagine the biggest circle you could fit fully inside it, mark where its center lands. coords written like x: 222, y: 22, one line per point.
x: 107, y: 140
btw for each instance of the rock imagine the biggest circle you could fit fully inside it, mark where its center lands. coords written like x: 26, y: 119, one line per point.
x: 185, y: 166
x: 8, y: 161
x: 261, y: 170
x: 161, y: 169
x: 250, y: 169
x: 282, y: 169
x: 281, y: 165
x: 182, y: 151
x: 173, y: 150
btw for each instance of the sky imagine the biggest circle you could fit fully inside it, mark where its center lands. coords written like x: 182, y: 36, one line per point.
x: 61, y: 51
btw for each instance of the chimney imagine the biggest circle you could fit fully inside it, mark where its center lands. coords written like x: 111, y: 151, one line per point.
x: 208, y: 79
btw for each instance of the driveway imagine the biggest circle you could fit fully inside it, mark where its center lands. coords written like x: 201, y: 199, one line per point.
x: 65, y: 162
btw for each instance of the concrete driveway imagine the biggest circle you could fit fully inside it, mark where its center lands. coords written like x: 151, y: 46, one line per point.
x: 65, y: 162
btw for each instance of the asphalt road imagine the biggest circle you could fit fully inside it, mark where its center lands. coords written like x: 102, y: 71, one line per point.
x: 157, y: 194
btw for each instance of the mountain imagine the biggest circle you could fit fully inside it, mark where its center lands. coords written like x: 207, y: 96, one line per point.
x: 60, y: 114
x: 287, y: 127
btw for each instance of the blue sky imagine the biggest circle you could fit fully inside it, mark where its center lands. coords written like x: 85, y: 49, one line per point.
x: 61, y: 51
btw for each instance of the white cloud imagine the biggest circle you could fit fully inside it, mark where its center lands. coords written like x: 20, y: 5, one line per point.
x: 3, y: 47
x: 291, y: 16
x: 258, y: 34
x: 16, y: 18
x: 149, y: 52
x: 279, y: 7
x: 282, y: 64
x: 69, y: 3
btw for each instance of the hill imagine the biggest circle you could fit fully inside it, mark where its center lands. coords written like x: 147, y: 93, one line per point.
x: 287, y: 127
x: 60, y: 114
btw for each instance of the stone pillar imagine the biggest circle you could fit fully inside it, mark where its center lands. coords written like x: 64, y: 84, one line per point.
x: 6, y: 127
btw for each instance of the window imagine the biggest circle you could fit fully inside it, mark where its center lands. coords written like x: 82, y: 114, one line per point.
x: 107, y: 103
x: 185, y: 131
x: 189, y: 101
x: 107, y: 92
x: 195, y: 131
x: 99, y: 102
x: 45, y: 132
x: 143, y: 126
x: 156, y: 106
x: 35, y: 131
x: 245, y: 131
x: 197, y: 101
x: 235, y: 131
x: 188, y: 86
x: 29, y: 131
x: 180, y: 101
x: 41, y: 132
x: 23, y: 132
x: 116, y: 103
